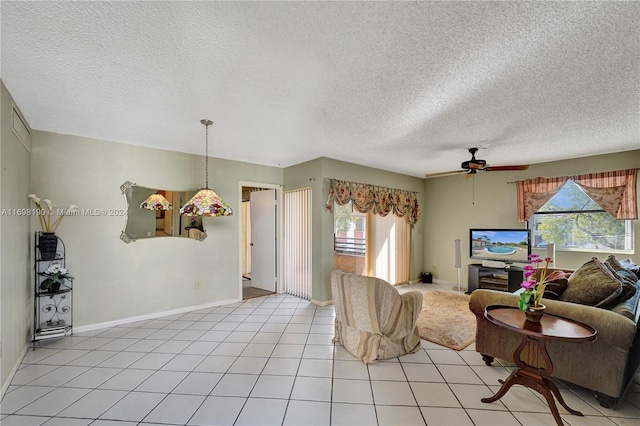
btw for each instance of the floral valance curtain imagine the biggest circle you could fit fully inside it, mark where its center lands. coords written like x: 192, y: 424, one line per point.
x: 614, y: 191
x: 378, y: 199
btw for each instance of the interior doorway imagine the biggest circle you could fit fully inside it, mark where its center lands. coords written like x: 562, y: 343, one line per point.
x: 260, y: 225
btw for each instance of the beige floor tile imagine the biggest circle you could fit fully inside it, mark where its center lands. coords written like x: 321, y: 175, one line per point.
x: 438, y: 416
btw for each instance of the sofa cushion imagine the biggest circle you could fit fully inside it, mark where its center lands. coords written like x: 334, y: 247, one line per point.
x: 592, y: 284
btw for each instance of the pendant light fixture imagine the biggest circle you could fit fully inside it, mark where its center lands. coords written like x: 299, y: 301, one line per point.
x: 206, y: 202
x: 156, y: 202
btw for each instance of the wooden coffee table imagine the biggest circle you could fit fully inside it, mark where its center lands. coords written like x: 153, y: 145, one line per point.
x: 531, y: 356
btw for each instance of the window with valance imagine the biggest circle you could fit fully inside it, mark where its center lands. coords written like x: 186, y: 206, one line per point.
x: 380, y: 200
x: 614, y: 191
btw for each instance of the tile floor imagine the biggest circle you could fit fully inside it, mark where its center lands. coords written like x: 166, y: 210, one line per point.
x: 268, y: 361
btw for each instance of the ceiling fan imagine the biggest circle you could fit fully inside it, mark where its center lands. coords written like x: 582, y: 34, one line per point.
x: 471, y: 167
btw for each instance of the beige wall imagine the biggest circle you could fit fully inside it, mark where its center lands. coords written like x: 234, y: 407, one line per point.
x: 16, y: 300
x: 455, y: 204
x: 316, y: 174
x: 115, y: 280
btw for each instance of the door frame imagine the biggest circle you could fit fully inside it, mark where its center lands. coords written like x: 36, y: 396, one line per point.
x: 279, y: 232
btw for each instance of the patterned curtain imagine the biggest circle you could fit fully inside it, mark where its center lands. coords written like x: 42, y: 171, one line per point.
x: 384, y: 200
x: 378, y: 199
x: 614, y: 191
x: 534, y: 193
x: 363, y: 198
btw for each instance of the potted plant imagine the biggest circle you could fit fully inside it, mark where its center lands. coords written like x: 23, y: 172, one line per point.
x: 531, y: 297
x: 56, y: 276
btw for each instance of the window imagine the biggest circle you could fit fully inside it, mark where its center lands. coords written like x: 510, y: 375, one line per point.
x: 573, y: 221
x: 369, y: 244
x: 349, y: 230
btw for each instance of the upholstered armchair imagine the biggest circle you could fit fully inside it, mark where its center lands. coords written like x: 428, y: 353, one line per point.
x: 373, y: 320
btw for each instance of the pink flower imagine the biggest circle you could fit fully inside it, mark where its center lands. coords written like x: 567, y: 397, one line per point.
x: 528, y: 285
x: 534, y: 258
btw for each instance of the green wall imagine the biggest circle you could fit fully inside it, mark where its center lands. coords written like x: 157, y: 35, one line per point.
x: 489, y: 200
x: 316, y: 174
x: 16, y: 300
x: 115, y: 280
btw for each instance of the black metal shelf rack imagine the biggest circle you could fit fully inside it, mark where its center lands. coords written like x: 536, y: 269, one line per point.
x: 52, y: 310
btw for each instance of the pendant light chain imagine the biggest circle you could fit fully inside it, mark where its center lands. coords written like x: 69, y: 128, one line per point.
x: 206, y: 123
x: 206, y: 202
x: 206, y: 150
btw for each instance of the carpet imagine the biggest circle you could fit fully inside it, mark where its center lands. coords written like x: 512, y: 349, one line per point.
x: 252, y: 292
x: 445, y: 319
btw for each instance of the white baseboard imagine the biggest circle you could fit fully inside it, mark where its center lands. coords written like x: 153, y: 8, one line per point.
x: 154, y: 315
x: 454, y: 285
x: 14, y: 370
x: 319, y: 303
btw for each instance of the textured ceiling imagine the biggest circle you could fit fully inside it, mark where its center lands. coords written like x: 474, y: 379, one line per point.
x: 400, y: 86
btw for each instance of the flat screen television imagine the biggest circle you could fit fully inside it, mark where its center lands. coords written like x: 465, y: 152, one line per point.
x: 503, y: 245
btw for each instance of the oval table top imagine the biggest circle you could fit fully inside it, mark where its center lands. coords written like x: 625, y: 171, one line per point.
x: 550, y: 327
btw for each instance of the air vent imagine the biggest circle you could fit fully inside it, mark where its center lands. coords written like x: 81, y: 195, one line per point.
x: 20, y: 128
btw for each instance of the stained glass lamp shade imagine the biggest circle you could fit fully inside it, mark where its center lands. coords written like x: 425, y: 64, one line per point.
x: 206, y: 202
x: 156, y: 202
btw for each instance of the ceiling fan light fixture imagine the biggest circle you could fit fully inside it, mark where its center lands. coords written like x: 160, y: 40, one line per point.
x: 474, y: 165
x: 471, y: 167
x: 206, y: 202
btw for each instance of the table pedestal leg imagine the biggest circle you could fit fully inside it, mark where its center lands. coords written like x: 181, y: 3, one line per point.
x: 556, y: 392
x: 506, y: 385
x: 534, y: 378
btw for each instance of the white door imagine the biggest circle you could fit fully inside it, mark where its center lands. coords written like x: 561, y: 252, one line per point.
x: 263, y: 239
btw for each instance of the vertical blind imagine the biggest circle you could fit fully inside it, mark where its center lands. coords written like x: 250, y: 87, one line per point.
x: 297, y: 243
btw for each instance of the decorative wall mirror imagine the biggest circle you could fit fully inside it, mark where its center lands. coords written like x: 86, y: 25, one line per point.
x: 158, y: 216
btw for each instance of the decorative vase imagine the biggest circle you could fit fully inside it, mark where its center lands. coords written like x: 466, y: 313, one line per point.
x: 47, y: 243
x: 534, y: 313
x: 54, y: 288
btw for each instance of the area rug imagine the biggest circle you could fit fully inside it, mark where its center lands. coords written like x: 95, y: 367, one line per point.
x: 445, y: 319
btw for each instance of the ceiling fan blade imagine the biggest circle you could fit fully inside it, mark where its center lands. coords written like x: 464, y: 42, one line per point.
x: 505, y: 168
x: 433, y: 175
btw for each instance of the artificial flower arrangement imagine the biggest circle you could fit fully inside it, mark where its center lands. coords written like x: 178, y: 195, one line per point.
x: 533, y: 288
x: 45, y: 214
x: 56, y: 275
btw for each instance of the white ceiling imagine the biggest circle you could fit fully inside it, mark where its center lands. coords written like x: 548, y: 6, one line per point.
x: 400, y: 86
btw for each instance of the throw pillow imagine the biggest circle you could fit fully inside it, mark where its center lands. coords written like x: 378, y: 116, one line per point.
x: 556, y: 284
x: 592, y: 284
x: 623, y: 272
x: 629, y: 265
x: 629, y: 307
x: 626, y: 278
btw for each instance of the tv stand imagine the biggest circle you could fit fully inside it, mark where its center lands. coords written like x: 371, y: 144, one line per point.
x: 502, y: 279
